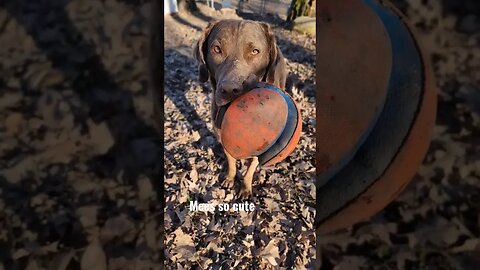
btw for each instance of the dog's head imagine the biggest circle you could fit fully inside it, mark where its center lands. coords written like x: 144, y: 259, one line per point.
x: 235, y: 55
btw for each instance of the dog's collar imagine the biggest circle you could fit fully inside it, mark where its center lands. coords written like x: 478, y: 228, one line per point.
x: 219, y: 113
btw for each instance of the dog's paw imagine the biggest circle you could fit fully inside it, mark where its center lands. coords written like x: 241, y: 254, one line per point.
x: 228, y: 182
x: 245, y: 193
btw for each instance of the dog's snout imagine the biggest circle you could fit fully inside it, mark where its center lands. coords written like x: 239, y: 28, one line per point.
x: 227, y: 91
x: 230, y: 88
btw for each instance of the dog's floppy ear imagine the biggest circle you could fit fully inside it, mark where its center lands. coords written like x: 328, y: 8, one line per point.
x: 277, y: 69
x: 200, y: 51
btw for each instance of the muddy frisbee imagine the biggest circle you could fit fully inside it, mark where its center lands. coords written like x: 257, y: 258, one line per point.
x: 264, y: 122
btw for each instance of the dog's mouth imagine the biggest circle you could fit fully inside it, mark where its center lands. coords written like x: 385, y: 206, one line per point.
x: 222, y: 102
x: 222, y: 99
x: 225, y: 98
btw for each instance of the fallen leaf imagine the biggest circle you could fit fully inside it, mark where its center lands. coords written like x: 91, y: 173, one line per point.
x: 116, y: 226
x: 32, y: 265
x: 194, y: 175
x: 88, y: 215
x: 61, y: 261
x: 184, y: 243
x: 20, y: 253
x: 52, y: 247
x: 469, y: 245
x: 270, y: 253
x: 196, y: 136
x: 100, y: 137
x: 93, y: 257
x: 13, y: 123
x: 145, y: 189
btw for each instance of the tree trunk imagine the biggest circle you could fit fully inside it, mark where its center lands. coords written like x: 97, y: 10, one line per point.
x: 300, y: 8
x: 187, y: 5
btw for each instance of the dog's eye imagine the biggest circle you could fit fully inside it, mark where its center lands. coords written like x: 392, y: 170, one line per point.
x: 255, y: 51
x: 217, y: 49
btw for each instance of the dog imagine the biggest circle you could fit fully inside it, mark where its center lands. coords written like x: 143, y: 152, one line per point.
x: 235, y: 55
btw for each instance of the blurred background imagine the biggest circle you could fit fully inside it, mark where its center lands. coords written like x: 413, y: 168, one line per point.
x: 80, y: 161
x: 435, y: 222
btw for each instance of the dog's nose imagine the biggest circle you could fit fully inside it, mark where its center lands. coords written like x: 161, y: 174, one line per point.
x: 229, y: 87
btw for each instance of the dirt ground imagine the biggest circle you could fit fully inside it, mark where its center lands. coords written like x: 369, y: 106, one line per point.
x: 279, y: 233
x: 80, y: 179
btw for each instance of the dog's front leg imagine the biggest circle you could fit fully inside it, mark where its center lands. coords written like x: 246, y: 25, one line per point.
x: 246, y: 190
x: 232, y: 170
